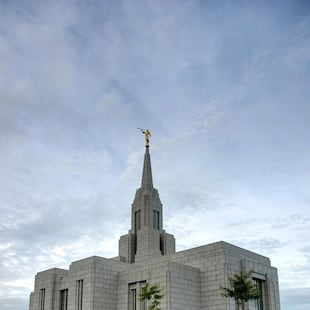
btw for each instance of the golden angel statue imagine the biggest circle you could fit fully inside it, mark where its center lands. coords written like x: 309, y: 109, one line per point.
x: 147, y: 135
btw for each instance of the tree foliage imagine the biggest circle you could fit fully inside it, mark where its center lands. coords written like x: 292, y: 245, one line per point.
x: 241, y: 289
x: 153, y: 294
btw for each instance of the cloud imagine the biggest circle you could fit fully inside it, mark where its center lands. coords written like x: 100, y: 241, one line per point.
x: 14, y: 303
x: 224, y: 90
x: 295, y: 298
x: 264, y: 246
x: 85, y: 214
x: 293, y: 221
x: 305, y: 249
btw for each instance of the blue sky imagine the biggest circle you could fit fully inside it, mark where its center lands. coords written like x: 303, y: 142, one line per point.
x: 222, y: 85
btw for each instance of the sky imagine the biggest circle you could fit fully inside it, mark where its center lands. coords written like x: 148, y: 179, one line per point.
x: 223, y: 87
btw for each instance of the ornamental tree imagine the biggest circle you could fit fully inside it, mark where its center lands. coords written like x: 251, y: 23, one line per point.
x: 153, y: 294
x: 241, y: 289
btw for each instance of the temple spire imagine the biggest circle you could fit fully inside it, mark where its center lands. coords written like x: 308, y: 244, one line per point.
x: 147, y: 180
x: 146, y: 239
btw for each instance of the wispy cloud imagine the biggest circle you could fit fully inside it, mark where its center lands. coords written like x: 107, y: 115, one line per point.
x: 224, y: 90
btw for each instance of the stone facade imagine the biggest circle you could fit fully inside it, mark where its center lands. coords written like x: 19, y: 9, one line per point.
x: 190, y: 279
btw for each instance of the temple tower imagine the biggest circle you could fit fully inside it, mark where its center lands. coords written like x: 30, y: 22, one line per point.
x: 146, y: 239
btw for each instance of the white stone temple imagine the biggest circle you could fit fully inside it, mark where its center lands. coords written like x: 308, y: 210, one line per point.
x: 190, y: 279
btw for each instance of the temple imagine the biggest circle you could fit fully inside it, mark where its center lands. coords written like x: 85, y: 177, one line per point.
x: 190, y: 279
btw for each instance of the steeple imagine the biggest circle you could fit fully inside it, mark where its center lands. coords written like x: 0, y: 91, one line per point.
x: 147, y: 180
x: 146, y: 238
